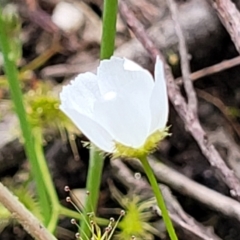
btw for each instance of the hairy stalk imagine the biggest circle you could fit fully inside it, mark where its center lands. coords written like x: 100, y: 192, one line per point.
x: 159, y: 198
x: 96, y: 160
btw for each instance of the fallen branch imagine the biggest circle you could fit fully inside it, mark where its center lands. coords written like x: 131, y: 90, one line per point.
x: 184, y: 57
x: 30, y: 223
x: 230, y: 18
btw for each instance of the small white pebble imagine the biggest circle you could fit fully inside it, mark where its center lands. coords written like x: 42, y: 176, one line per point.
x: 68, y: 17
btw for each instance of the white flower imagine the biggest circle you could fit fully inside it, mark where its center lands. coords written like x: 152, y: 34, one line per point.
x: 120, y: 106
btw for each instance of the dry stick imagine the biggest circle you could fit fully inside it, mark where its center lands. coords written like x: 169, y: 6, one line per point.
x: 230, y: 18
x: 30, y: 223
x: 40, y: 17
x: 219, y: 67
x: 222, y: 108
x: 185, y: 68
x: 191, y: 123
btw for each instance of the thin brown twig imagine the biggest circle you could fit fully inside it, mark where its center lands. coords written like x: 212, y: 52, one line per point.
x: 40, y: 17
x: 230, y: 18
x: 224, y: 65
x: 30, y: 223
x: 179, y: 103
x: 185, y: 68
x: 225, y: 110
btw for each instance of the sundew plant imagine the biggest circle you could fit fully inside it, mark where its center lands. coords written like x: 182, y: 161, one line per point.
x: 122, y: 110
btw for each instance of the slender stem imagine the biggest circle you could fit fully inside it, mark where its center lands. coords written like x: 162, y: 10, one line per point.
x: 110, y: 8
x: 46, y: 177
x: 96, y: 160
x: 95, y: 167
x: 159, y: 197
x: 15, y: 90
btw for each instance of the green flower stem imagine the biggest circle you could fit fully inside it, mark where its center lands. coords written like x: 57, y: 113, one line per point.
x: 159, y: 197
x: 96, y: 160
x: 95, y: 167
x: 46, y: 177
x: 15, y: 90
x: 110, y: 8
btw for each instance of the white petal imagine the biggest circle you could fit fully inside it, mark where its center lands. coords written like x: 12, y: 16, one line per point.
x: 159, y: 100
x: 131, y: 66
x: 81, y: 94
x: 123, y: 120
x: 118, y: 74
x: 93, y: 131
